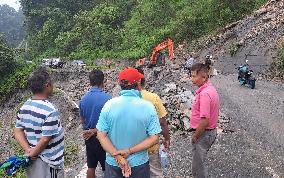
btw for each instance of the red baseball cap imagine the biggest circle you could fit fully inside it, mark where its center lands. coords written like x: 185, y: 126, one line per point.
x: 131, y: 75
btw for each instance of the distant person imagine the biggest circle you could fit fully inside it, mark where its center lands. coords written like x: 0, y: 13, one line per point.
x: 188, y: 63
x: 91, y: 105
x: 203, y: 119
x: 154, y: 160
x: 128, y: 126
x: 209, y: 62
x: 39, y: 130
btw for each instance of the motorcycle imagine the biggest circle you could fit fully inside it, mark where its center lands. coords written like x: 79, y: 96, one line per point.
x: 245, y: 75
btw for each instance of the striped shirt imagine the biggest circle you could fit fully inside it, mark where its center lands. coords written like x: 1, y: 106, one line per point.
x: 40, y: 118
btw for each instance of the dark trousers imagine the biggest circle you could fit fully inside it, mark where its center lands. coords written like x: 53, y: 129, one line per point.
x: 95, y: 153
x: 142, y: 171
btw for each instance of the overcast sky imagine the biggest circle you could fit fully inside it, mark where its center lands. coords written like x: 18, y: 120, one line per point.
x: 13, y: 3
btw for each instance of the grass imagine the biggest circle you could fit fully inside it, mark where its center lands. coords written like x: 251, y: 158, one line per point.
x: 20, y: 174
x: 17, y: 150
x: 233, y: 48
x: 70, y: 152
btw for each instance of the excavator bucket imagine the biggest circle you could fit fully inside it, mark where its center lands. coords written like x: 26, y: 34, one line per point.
x: 140, y: 62
x: 143, y: 62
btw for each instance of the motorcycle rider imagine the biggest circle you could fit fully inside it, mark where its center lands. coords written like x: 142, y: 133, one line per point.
x: 208, y: 61
x: 245, y: 75
x: 243, y: 70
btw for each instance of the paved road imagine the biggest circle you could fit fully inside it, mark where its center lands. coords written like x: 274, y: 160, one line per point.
x: 257, y: 117
x: 254, y: 145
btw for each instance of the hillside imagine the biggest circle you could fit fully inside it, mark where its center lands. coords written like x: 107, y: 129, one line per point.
x: 124, y: 29
x: 257, y: 38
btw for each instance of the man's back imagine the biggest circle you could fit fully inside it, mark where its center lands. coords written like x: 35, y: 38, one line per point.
x: 161, y: 111
x: 40, y: 118
x: 156, y: 101
x: 91, y: 105
x: 129, y: 120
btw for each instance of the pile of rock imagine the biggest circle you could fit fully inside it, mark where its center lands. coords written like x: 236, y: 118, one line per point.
x: 174, y: 87
x: 169, y: 82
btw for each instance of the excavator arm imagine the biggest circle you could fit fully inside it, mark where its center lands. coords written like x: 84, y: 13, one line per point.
x: 165, y: 44
x: 153, y: 59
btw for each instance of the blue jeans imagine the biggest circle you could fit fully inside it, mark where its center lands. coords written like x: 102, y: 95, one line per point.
x: 142, y: 171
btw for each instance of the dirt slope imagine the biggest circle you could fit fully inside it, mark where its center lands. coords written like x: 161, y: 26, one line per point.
x: 257, y: 36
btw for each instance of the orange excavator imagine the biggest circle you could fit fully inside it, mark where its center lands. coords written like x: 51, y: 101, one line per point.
x: 157, y: 58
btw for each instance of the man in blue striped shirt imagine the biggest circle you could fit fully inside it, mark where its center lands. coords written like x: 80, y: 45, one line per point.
x: 39, y: 130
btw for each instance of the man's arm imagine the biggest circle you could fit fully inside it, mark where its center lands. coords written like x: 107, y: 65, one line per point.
x: 162, y: 113
x: 82, y: 122
x: 88, y: 133
x: 200, y: 129
x: 144, y: 145
x: 108, y: 147
x: 165, y: 132
x: 41, y: 145
x: 105, y: 142
x: 205, y: 101
x: 21, y: 139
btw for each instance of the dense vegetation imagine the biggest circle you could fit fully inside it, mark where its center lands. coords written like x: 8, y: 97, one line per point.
x: 122, y: 29
x: 13, y: 70
x: 7, y: 62
x: 11, y: 25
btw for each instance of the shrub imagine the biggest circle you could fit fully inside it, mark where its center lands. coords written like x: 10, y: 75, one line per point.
x: 233, y: 48
x: 14, y: 81
x: 281, y: 57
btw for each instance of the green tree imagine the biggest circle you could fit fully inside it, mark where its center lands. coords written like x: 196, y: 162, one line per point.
x: 11, y: 25
x: 123, y: 28
x: 7, y: 60
x: 94, y: 31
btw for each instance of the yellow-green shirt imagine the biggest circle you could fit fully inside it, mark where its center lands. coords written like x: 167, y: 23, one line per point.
x: 156, y: 101
x: 161, y: 111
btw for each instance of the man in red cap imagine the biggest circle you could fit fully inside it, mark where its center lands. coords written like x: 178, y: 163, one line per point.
x: 128, y: 126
